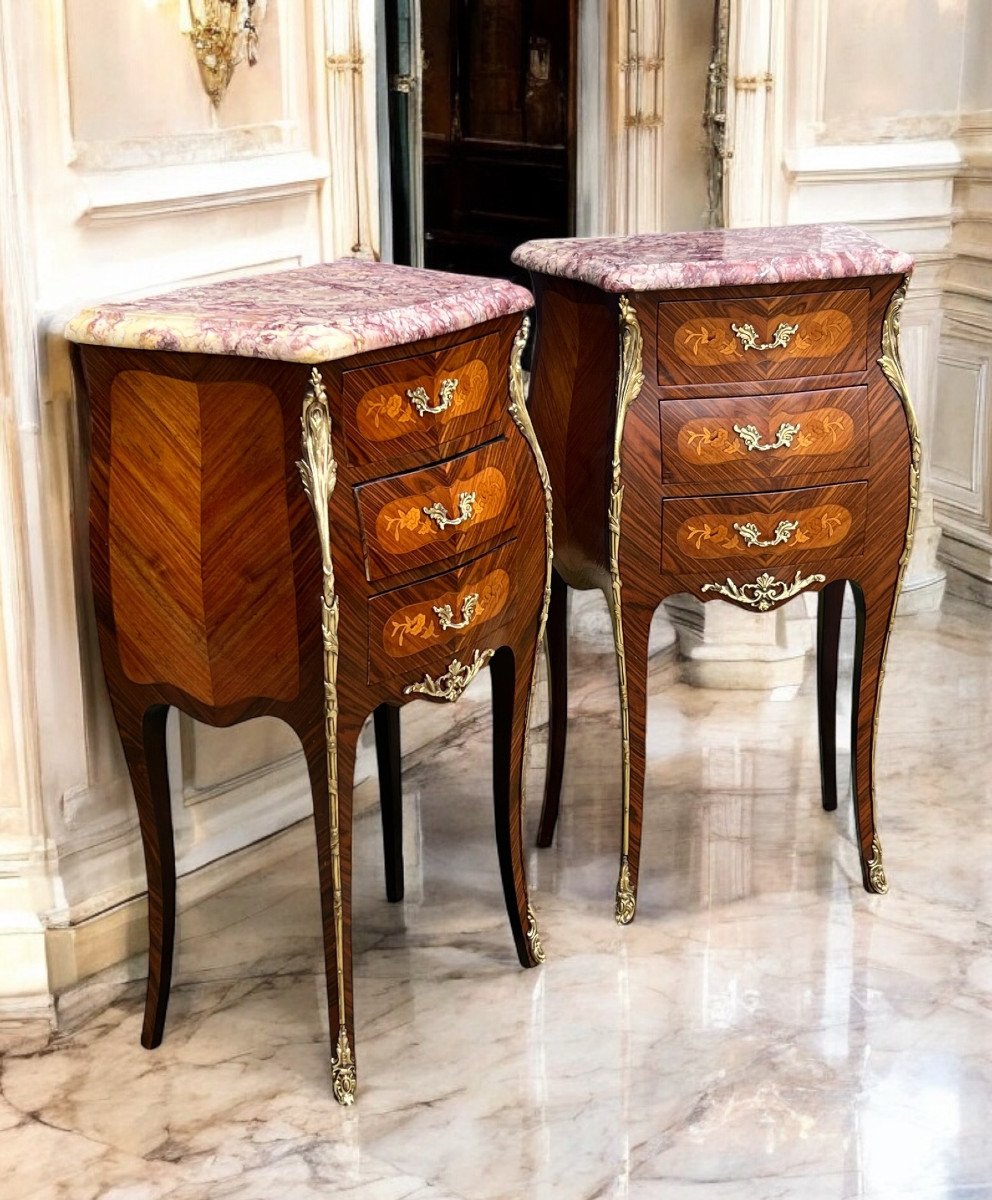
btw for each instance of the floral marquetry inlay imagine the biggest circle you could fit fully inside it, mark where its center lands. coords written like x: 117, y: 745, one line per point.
x: 817, y: 432
x: 706, y: 342
x: 415, y: 627
x: 388, y: 412
x: 403, y: 525
x: 715, y: 535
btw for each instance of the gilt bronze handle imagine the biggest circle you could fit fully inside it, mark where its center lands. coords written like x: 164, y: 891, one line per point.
x: 438, y: 514
x: 747, y: 335
x: 751, y: 438
x: 752, y: 534
x: 446, y: 617
x: 422, y: 402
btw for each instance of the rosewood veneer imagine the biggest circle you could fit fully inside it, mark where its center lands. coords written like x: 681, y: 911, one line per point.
x: 724, y: 414
x: 315, y: 495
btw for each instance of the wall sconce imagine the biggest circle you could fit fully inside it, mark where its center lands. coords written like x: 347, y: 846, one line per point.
x: 224, y: 33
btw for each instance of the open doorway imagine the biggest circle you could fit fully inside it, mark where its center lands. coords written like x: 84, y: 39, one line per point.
x: 481, y: 129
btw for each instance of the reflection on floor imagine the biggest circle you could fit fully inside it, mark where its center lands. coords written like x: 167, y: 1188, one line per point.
x: 764, y: 1029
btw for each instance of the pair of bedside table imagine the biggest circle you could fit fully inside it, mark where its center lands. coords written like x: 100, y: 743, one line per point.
x: 724, y: 414
x: 319, y: 494
x: 316, y: 495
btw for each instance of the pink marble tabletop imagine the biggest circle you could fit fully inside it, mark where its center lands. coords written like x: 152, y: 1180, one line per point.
x: 648, y: 262
x: 310, y: 315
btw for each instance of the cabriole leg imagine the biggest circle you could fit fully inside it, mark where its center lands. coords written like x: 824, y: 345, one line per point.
x: 386, y: 719
x: 631, y: 632
x: 830, y: 605
x: 143, y: 737
x: 557, y: 650
x: 511, y: 678
x: 332, y: 772
x: 873, y: 614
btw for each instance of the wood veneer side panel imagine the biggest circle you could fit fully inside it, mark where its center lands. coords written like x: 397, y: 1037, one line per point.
x: 247, y: 556
x: 98, y: 368
x: 573, y: 404
x: 154, y: 532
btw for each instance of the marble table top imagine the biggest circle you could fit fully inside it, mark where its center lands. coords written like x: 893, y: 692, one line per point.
x: 310, y: 315
x: 650, y: 262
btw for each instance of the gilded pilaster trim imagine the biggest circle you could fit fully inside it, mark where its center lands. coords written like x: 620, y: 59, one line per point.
x: 891, y: 365
x: 629, y: 381
x: 521, y: 416
x: 518, y: 411
x: 319, y: 473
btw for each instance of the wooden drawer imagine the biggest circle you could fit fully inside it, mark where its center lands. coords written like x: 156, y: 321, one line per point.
x: 471, y: 499
x: 389, y: 408
x: 758, y: 338
x: 420, y: 627
x: 760, y: 438
x: 763, y: 528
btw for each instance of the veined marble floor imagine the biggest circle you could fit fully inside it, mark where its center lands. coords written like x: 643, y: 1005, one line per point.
x: 765, y: 1029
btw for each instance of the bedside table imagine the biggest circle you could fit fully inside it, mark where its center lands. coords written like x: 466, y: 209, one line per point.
x: 392, y: 551
x: 724, y: 414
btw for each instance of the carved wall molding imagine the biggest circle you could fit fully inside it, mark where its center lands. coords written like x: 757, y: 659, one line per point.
x: 636, y: 54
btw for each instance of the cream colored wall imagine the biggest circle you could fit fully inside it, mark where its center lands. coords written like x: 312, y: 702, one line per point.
x: 119, y: 177
x: 893, y: 69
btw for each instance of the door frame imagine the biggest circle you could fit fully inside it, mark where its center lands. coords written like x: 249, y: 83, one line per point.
x: 401, y: 114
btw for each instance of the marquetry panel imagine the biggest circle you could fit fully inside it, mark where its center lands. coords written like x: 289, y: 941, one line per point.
x: 745, y: 530
x: 383, y: 403
x: 441, y: 614
x: 822, y: 333
x: 472, y: 495
x: 760, y: 438
x: 201, y: 568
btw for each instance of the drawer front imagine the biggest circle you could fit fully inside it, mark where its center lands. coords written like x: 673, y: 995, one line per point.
x: 761, y: 438
x: 423, y: 517
x: 774, y: 337
x: 764, y: 528
x: 441, y: 617
x: 420, y: 404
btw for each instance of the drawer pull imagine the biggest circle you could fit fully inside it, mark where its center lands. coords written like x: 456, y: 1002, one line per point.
x: 422, y: 402
x: 438, y: 514
x: 446, y: 617
x: 751, y: 438
x: 765, y: 591
x: 752, y: 534
x: 747, y: 335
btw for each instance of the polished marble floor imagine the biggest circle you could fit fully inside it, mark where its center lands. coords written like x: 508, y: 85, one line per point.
x: 765, y: 1029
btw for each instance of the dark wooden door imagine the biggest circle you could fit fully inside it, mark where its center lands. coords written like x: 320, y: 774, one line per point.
x: 497, y: 95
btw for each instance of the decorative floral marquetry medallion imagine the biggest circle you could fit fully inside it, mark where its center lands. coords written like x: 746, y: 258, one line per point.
x: 414, y: 627
x: 715, y: 535
x: 391, y: 411
x: 709, y: 342
x: 408, y: 523
x: 821, y: 431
